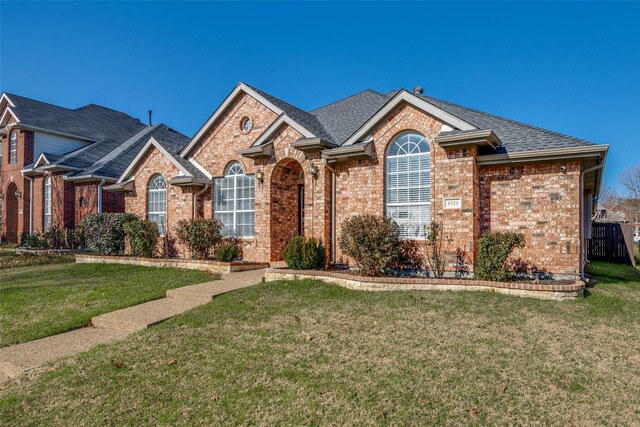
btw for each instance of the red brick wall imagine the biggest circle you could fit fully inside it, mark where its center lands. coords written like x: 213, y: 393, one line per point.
x: 540, y: 201
x: 179, y: 199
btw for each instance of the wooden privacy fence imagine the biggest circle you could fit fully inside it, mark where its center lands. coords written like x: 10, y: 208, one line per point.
x: 611, y: 242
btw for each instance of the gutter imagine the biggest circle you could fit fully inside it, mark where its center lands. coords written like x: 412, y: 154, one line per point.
x: 582, y: 249
x: 480, y: 137
x: 195, y: 199
x: 542, y: 155
x: 332, y: 216
x: 100, y: 195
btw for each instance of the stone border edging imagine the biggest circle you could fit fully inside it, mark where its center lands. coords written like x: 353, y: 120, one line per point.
x: 190, y: 264
x: 529, y: 290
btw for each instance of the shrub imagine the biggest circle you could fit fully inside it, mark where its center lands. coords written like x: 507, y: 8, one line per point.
x: 55, y: 238
x: 199, y: 235
x: 305, y: 253
x: 104, y: 232
x: 372, y: 241
x: 434, y: 240
x: 409, y: 256
x: 143, y: 237
x: 227, y: 252
x: 494, y: 250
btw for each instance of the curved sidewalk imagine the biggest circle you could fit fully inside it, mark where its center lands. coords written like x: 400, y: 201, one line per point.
x: 18, y: 359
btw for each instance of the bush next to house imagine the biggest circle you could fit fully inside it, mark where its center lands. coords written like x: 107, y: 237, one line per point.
x: 104, y: 232
x: 143, y: 237
x: 55, y: 238
x: 305, y: 253
x: 200, y: 236
x: 371, y: 241
x: 494, y: 250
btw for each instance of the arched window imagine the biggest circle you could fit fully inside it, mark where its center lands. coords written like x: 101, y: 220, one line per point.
x: 408, y: 184
x: 233, y: 202
x: 47, y: 203
x: 157, y: 203
x: 13, y: 147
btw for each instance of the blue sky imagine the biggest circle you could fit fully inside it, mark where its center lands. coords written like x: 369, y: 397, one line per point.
x: 569, y: 67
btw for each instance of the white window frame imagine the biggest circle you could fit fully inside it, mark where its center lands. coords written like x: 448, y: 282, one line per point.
x: 158, y: 189
x: 412, y: 191
x: 13, y: 147
x: 46, y: 211
x: 234, y: 175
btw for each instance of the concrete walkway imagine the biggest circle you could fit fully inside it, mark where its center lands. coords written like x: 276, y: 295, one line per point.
x: 18, y: 359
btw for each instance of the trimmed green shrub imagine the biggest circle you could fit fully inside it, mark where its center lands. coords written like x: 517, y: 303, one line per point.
x: 494, y: 250
x: 143, y: 237
x: 371, y: 241
x: 304, y: 253
x: 104, y: 232
x: 227, y: 252
x: 199, y: 235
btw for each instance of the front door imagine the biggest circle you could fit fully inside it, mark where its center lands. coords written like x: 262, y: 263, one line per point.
x: 300, y: 209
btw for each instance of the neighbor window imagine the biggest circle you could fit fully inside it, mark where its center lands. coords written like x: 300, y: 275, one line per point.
x: 408, y: 184
x: 0, y: 155
x: 157, y: 205
x: 47, y: 203
x: 234, y: 202
x: 13, y: 147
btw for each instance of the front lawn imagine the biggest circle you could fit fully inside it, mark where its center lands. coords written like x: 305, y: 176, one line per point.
x: 43, y: 300
x: 9, y: 259
x: 309, y: 353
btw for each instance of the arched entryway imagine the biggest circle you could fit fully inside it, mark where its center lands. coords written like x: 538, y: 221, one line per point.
x: 11, y: 214
x: 287, y: 205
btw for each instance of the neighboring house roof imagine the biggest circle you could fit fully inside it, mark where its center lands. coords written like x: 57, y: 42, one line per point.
x: 606, y: 215
x: 116, y: 138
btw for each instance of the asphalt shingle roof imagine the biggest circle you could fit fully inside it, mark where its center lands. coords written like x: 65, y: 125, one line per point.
x: 337, y: 121
x: 118, y: 137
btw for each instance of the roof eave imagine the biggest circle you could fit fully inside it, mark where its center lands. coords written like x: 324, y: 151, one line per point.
x: 123, y: 187
x: 189, y: 181
x: 90, y: 177
x: 485, y: 137
x: 26, y: 126
x: 543, y: 155
x: 264, y: 151
x: 312, y: 145
x: 351, y: 152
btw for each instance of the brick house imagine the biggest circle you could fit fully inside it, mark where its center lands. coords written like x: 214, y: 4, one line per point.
x: 55, y: 162
x: 271, y: 171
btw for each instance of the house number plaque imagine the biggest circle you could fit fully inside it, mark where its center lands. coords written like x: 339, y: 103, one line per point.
x: 453, y: 203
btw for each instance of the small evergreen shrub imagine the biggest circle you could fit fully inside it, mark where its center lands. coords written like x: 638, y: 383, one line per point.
x: 227, y: 252
x: 143, y: 237
x: 104, y: 232
x: 199, y: 235
x: 372, y: 241
x: 494, y: 250
x: 305, y: 253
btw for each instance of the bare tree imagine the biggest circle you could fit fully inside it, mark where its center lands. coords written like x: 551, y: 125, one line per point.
x: 630, y: 181
x: 608, y: 198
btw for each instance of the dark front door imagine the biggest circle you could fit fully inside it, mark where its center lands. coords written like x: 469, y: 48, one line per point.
x: 11, y: 217
x: 300, y: 209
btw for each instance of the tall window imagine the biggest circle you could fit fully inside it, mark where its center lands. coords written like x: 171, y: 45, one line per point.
x: 157, y: 207
x: 233, y: 202
x: 47, y: 203
x: 13, y: 147
x: 408, y: 184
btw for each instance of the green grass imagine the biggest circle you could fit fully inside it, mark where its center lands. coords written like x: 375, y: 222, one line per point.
x: 43, y: 300
x: 309, y: 353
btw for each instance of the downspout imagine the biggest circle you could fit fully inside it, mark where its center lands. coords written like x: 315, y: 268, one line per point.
x: 195, y: 199
x: 582, y: 213
x: 30, y: 202
x: 100, y: 195
x: 332, y: 225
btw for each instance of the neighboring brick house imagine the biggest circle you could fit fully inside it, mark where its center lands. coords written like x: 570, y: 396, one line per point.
x: 270, y: 171
x: 54, y: 162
